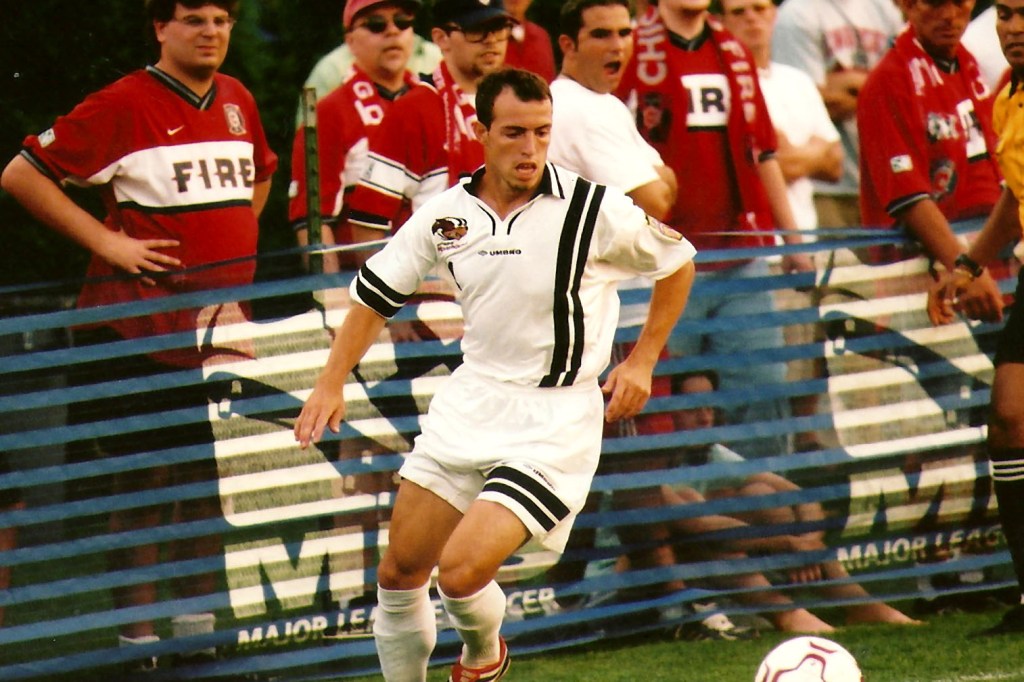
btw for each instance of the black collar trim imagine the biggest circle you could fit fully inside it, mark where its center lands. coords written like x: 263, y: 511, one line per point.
x: 202, y: 103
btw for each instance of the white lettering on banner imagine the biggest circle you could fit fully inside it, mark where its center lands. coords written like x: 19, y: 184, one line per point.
x: 914, y: 548
x: 886, y: 500
x: 293, y: 582
x: 709, y: 100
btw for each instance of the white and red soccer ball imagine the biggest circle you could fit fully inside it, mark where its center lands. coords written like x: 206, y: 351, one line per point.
x: 809, y: 659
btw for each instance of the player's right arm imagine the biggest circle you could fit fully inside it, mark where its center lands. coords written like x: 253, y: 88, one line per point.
x: 325, y: 407
x: 48, y: 203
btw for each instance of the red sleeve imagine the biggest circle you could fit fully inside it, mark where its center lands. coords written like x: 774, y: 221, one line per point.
x: 86, y: 140
x: 893, y: 151
x: 331, y: 158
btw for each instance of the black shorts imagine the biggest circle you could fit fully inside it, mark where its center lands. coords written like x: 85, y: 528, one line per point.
x: 1011, y: 339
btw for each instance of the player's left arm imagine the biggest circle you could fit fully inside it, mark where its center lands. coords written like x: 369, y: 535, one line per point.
x: 629, y: 383
x: 774, y: 183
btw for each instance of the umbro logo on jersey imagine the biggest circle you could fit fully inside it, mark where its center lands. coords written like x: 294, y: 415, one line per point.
x: 499, y: 252
x: 174, y: 131
x: 450, y: 229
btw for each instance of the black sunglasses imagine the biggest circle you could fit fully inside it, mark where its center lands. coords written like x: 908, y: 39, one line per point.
x: 379, y: 24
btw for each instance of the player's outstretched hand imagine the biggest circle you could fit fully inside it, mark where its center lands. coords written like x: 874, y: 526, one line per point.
x: 137, y: 256
x: 629, y: 385
x: 325, y: 408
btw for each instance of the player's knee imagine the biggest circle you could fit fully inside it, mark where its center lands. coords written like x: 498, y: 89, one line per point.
x: 393, y: 574
x: 1006, y: 423
x: 462, y: 579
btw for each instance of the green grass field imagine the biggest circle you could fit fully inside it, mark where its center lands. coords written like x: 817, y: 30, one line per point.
x: 941, y: 650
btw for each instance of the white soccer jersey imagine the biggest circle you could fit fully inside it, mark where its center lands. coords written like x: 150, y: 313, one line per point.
x: 537, y: 289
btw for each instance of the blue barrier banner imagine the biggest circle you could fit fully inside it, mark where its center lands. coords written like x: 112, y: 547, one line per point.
x: 846, y: 435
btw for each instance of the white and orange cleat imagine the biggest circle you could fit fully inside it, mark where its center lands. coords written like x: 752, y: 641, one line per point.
x: 490, y: 673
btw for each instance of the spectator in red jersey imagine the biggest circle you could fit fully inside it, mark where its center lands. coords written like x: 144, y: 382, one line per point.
x: 379, y: 35
x: 929, y: 160
x: 721, y: 145
x: 530, y: 45
x: 178, y: 152
x: 426, y: 143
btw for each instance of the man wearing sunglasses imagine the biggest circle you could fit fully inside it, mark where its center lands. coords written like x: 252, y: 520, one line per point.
x: 426, y: 143
x: 178, y: 153
x: 332, y: 69
x: 379, y: 35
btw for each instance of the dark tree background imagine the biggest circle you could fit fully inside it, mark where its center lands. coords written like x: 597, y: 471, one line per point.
x: 54, y: 52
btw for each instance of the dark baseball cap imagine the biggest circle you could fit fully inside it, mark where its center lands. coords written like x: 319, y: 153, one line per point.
x: 468, y: 13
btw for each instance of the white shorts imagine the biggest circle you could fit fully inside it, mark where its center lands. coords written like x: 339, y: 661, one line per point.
x: 532, y: 450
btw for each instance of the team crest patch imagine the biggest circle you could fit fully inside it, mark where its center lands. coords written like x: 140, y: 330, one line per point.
x: 664, y: 229
x: 944, y: 178
x: 47, y: 137
x: 450, y: 229
x: 234, y: 118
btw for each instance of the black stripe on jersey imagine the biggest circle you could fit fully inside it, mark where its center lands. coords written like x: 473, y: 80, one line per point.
x: 188, y: 208
x: 543, y: 494
x: 586, y: 235
x: 563, y: 263
x: 370, y: 220
x: 553, y: 173
x: 38, y: 165
x: 377, y: 294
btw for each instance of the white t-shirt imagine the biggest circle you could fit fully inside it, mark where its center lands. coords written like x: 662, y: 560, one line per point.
x: 980, y: 40
x: 798, y: 112
x: 595, y: 135
x: 821, y: 36
x: 537, y: 288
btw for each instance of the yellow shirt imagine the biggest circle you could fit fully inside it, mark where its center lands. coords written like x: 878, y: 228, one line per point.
x: 1008, y: 121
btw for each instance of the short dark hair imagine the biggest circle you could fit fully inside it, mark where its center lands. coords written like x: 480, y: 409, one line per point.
x: 570, y: 20
x: 526, y: 85
x: 163, y: 10
x: 679, y: 379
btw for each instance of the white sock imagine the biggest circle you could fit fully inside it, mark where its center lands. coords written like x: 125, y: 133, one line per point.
x: 477, y: 618
x: 405, y: 632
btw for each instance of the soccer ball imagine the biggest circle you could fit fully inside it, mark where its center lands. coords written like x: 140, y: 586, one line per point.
x: 809, y: 659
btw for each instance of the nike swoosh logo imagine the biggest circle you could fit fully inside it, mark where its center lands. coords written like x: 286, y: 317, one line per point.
x: 175, y: 131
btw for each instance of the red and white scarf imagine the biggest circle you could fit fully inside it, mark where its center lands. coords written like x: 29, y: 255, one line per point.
x: 465, y: 153
x: 741, y: 73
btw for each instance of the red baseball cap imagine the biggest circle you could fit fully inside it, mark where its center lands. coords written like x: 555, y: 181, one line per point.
x: 354, y: 7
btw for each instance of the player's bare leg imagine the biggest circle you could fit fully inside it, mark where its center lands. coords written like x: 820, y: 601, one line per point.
x: 1006, y: 451
x: 487, y: 536
x: 405, y: 629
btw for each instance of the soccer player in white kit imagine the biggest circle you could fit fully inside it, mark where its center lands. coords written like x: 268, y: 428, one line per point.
x: 511, y: 441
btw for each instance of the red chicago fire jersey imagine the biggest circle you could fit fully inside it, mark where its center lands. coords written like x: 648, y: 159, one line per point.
x: 683, y: 103
x: 170, y: 165
x: 408, y: 161
x: 345, y: 119
x: 925, y: 133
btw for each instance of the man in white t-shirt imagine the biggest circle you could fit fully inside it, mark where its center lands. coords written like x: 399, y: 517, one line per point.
x: 836, y: 43
x: 593, y: 133
x: 809, y: 150
x: 980, y: 40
